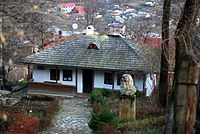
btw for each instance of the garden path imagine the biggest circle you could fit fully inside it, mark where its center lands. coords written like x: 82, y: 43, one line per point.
x: 72, y: 118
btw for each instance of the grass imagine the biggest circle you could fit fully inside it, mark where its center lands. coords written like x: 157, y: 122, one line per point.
x: 39, y: 114
x: 146, y: 122
x: 159, y: 130
x: 148, y: 125
x: 152, y: 120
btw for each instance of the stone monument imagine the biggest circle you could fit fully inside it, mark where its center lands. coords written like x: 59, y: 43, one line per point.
x: 128, y: 98
x: 127, y: 85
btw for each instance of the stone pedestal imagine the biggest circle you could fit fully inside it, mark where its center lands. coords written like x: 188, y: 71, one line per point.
x: 127, y: 109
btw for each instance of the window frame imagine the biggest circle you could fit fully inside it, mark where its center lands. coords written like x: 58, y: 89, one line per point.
x: 108, y: 78
x: 69, y: 75
x: 53, y: 74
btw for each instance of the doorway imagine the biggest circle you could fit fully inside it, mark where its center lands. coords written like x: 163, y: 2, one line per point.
x: 87, y: 80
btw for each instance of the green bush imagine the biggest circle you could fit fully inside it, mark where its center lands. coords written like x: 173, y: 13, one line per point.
x: 22, y: 83
x: 140, y: 94
x: 105, y: 116
x: 98, y: 95
x: 106, y: 92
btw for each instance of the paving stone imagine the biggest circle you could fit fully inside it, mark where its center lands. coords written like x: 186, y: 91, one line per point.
x: 72, y: 118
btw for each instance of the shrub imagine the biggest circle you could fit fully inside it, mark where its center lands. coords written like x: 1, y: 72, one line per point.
x: 22, y: 83
x: 104, y: 116
x: 106, y: 92
x: 98, y: 95
x: 140, y: 94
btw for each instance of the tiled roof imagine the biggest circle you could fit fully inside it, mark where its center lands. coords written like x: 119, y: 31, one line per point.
x: 67, y: 4
x: 81, y: 9
x: 114, y: 53
x: 59, y: 41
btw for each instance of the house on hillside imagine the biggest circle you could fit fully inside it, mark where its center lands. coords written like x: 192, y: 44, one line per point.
x: 80, y: 9
x: 67, y: 7
x: 151, y: 41
x: 90, y: 61
x: 72, y: 8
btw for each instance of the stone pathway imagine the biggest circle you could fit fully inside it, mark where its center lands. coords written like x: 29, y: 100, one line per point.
x: 72, y: 118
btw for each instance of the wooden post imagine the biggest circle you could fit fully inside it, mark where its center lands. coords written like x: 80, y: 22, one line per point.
x: 186, y: 95
x: 113, y: 81
x: 127, y: 107
x: 56, y: 75
x: 76, y: 80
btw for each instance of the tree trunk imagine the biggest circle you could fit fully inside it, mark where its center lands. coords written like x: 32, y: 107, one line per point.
x: 164, y: 81
x: 186, y: 71
x: 185, y: 100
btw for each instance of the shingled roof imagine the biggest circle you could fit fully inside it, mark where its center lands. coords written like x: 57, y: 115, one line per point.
x: 113, y: 53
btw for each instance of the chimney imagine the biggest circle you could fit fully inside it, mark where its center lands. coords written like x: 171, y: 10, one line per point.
x: 90, y: 30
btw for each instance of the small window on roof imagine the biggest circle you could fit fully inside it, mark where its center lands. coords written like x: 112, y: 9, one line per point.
x: 92, y: 46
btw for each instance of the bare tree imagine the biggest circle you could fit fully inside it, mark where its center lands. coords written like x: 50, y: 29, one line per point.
x: 164, y: 78
x: 92, y: 7
x: 21, y: 21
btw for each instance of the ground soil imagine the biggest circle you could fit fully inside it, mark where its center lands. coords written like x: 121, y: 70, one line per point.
x: 22, y: 124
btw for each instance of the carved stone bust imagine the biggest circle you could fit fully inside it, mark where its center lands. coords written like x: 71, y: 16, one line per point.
x: 127, y: 85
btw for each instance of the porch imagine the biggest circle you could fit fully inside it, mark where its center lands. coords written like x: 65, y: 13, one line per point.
x: 51, y: 87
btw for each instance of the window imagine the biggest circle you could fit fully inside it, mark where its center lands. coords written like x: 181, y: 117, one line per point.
x: 92, y: 46
x: 67, y: 75
x: 119, y: 77
x: 54, y: 74
x: 108, y: 78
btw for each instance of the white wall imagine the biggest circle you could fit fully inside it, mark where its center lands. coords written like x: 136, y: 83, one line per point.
x: 41, y: 75
x: 44, y: 75
x: 116, y: 87
x: 138, y: 80
x: 99, y: 81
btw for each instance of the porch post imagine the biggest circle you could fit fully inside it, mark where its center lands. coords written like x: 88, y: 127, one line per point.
x: 144, y: 81
x: 56, y: 75
x: 113, y: 82
x: 76, y: 80
x: 28, y: 78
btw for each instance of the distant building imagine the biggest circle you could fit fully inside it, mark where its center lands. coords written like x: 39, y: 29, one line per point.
x: 80, y: 9
x: 67, y: 7
x: 72, y: 8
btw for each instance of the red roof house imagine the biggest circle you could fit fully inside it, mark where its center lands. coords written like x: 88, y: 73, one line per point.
x: 151, y: 41
x: 80, y: 9
x: 67, y: 7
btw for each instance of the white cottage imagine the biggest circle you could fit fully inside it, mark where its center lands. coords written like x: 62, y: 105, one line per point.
x: 90, y: 61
